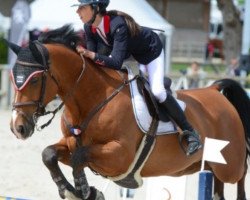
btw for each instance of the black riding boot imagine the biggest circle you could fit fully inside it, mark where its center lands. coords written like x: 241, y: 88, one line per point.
x: 176, y: 113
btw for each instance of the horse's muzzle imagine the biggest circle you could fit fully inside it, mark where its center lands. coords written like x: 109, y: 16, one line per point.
x: 21, y: 125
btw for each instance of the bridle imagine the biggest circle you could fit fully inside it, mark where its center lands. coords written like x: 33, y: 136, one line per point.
x: 40, y: 105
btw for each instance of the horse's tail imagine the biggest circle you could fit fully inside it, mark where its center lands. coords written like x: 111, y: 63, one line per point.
x: 233, y: 91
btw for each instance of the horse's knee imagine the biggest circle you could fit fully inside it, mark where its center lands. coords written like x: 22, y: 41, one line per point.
x: 79, y: 157
x: 49, y: 156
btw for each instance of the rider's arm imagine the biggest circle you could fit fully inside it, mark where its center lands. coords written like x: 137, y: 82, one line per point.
x: 90, y: 41
x: 119, y: 51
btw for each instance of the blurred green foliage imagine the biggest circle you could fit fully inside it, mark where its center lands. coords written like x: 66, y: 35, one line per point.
x: 178, y: 67
x: 241, y: 2
x: 3, y: 50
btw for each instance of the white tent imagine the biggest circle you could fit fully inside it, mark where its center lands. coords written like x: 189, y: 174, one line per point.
x: 53, y: 14
x: 4, y: 23
x: 56, y: 13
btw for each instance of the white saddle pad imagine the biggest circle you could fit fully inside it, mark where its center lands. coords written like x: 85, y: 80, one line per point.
x: 142, y: 116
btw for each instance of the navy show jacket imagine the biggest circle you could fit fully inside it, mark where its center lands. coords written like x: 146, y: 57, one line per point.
x: 145, y: 47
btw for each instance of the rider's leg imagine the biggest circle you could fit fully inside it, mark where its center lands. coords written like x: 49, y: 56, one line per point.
x: 175, y: 112
x: 156, y: 80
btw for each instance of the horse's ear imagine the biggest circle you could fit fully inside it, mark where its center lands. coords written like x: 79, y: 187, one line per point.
x: 39, y: 52
x: 35, y: 52
x: 13, y: 46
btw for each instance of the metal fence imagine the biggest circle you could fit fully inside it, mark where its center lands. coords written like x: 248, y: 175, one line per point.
x: 180, y: 81
x: 5, y: 89
x: 188, y: 51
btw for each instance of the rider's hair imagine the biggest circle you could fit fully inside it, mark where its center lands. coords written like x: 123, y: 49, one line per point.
x: 101, y: 8
x: 133, y: 27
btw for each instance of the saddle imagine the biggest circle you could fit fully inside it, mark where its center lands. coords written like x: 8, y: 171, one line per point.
x: 145, y: 105
x: 154, y: 107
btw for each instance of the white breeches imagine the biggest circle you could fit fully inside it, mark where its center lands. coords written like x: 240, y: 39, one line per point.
x: 155, y: 70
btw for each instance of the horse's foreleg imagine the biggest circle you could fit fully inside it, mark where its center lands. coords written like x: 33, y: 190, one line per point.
x: 51, y: 155
x: 83, y: 189
x: 218, y: 189
x: 80, y: 158
x: 81, y: 184
x: 103, y: 158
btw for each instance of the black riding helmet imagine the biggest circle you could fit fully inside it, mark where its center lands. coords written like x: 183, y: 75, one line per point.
x: 99, y: 6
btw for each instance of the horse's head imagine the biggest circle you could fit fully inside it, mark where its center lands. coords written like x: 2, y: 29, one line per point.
x: 36, y: 80
x: 34, y: 87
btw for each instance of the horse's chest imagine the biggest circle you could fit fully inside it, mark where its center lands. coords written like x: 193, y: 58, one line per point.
x: 71, y: 143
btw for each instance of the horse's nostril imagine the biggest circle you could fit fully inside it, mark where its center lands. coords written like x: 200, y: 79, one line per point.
x: 12, y: 130
x: 21, y: 129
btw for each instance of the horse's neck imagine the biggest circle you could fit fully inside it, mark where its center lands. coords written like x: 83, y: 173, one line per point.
x: 96, y: 83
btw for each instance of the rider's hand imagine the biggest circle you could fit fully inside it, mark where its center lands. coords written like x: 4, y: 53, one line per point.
x: 85, y: 52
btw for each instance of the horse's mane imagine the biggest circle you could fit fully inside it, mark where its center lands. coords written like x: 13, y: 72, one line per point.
x: 65, y: 35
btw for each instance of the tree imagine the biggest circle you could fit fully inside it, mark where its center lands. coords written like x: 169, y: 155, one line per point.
x: 232, y: 28
x: 3, y: 50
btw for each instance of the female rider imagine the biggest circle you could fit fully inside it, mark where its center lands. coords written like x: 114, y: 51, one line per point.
x: 113, y: 36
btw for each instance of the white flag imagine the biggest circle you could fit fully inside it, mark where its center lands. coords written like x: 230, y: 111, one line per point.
x: 212, y: 150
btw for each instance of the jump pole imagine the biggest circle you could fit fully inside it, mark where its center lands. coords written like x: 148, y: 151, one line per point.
x: 211, y: 152
x: 10, y: 198
x: 205, y: 185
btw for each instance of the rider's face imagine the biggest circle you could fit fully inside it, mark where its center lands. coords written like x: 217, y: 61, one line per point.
x: 85, y: 13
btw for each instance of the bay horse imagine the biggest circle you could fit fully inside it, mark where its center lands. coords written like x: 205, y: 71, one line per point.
x: 111, y: 137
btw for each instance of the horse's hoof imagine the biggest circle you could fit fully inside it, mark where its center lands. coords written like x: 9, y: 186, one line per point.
x: 96, y: 194
x: 99, y: 195
x: 70, y: 195
x: 67, y: 190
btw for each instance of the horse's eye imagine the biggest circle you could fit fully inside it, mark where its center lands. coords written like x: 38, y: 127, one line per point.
x: 34, y: 80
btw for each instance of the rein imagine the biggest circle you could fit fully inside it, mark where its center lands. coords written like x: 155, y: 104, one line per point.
x: 66, y: 97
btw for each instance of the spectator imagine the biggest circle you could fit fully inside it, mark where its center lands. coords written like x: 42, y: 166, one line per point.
x: 209, y: 51
x: 233, y: 68
x: 195, y: 74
